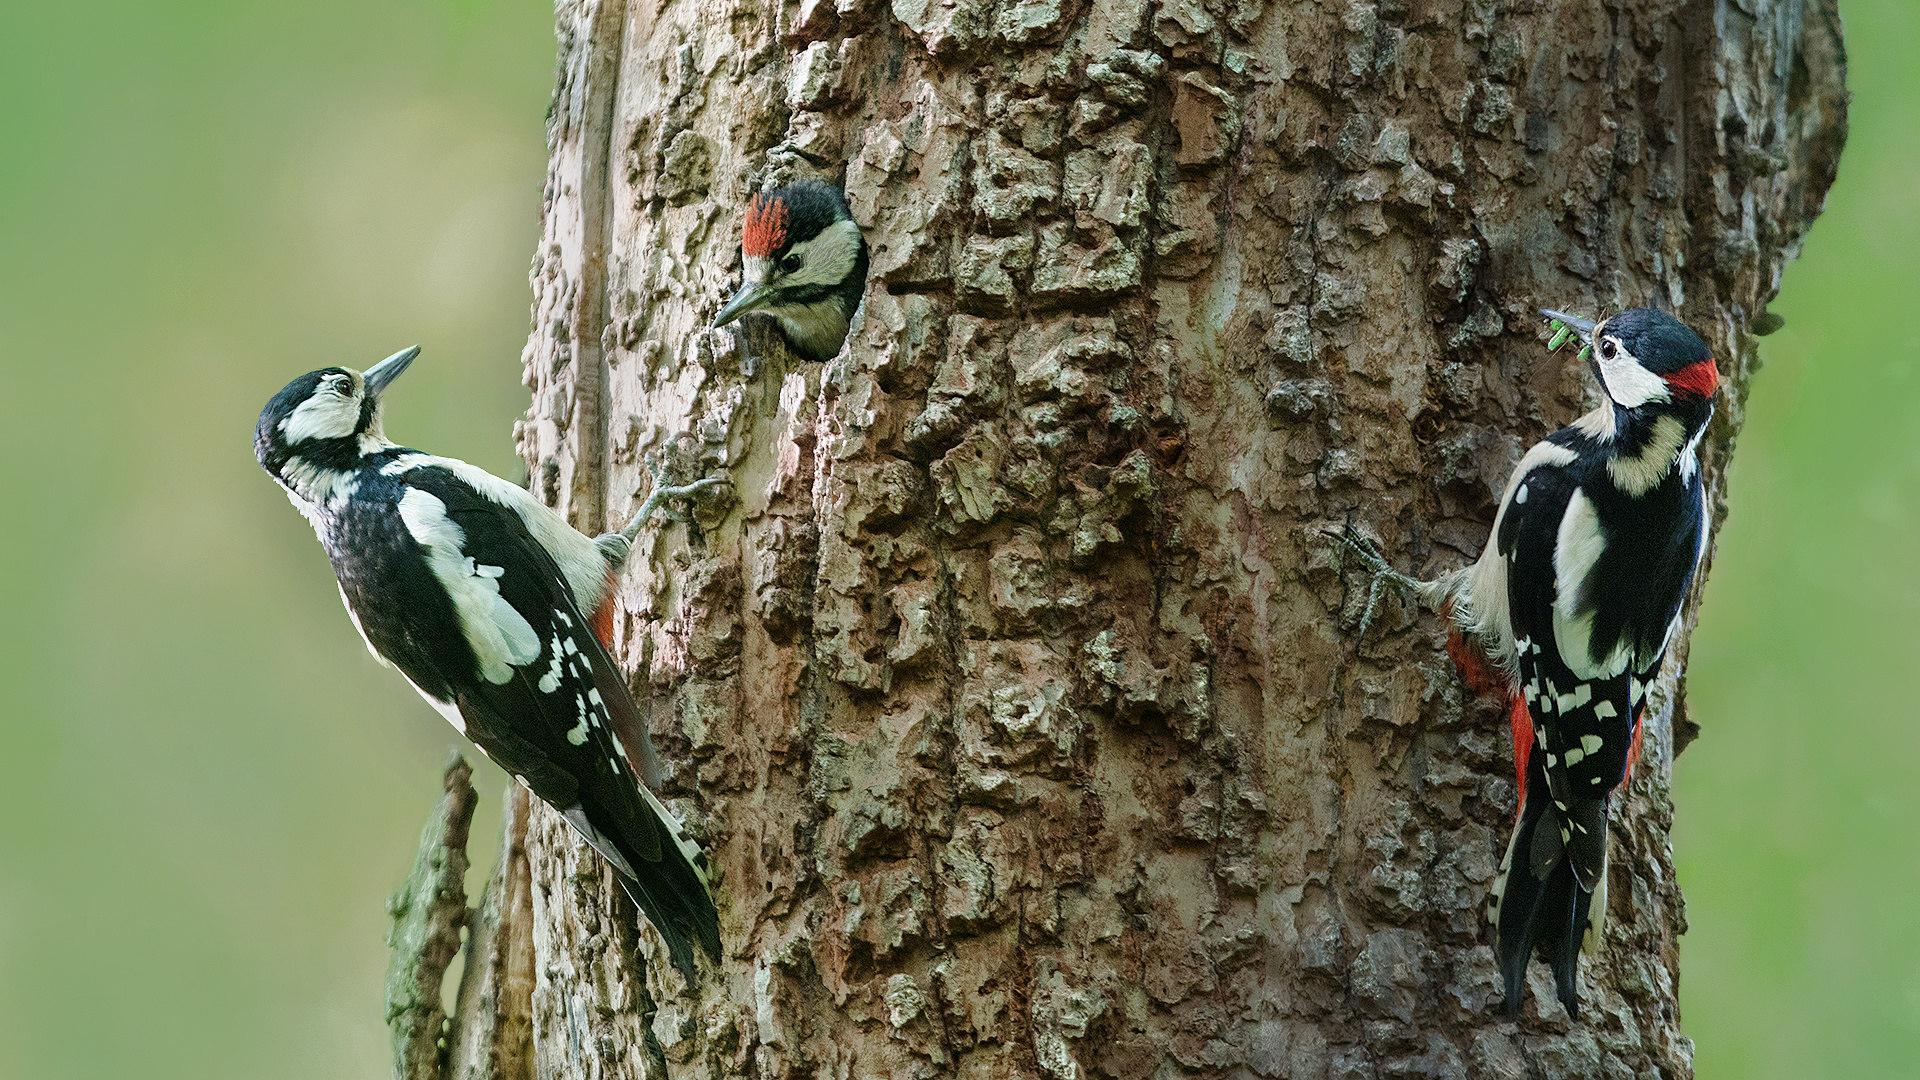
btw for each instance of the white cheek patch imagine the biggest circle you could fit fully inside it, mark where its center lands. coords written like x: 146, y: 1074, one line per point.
x: 1630, y: 384
x: 828, y: 258
x: 819, y: 326
x: 324, y: 415
x: 501, y: 637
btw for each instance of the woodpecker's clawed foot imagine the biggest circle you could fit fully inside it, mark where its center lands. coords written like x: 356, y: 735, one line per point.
x: 659, y: 501
x: 1375, y: 564
x: 615, y: 546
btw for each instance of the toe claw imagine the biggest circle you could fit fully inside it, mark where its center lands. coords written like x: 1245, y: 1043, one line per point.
x: 615, y: 546
x: 1374, y: 563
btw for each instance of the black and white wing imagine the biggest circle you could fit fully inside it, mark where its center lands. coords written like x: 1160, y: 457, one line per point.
x: 1582, y: 719
x: 548, y: 704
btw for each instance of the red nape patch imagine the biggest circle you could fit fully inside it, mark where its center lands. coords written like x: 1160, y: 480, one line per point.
x: 1701, y: 378
x: 766, y: 227
x: 1522, y: 747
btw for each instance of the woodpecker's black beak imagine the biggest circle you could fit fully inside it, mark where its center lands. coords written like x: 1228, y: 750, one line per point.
x: 751, y: 297
x: 384, y: 372
x: 1583, y: 327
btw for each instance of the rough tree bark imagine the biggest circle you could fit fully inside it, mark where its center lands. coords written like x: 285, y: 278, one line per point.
x: 1012, y: 686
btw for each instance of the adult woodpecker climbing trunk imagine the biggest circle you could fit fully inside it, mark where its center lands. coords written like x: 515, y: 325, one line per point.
x: 1013, y: 689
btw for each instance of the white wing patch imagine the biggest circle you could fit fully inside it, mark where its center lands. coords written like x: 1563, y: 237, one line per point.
x: 579, y: 559
x: 1482, y: 607
x: 1581, y: 541
x: 501, y: 637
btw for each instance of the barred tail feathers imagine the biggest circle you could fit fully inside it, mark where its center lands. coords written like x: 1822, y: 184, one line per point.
x: 1541, y: 903
x: 664, y: 898
x: 670, y: 891
x: 690, y: 877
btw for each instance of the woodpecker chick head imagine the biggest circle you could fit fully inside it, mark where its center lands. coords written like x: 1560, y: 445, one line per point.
x: 325, y: 420
x: 805, y: 264
x: 1645, y: 357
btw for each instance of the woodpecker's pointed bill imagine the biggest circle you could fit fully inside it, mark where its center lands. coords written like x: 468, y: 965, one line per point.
x: 1583, y: 327
x: 804, y: 263
x: 751, y: 297
x: 496, y: 611
x: 384, y: 372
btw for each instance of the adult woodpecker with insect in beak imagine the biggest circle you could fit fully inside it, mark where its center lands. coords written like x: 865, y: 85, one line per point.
x: 1569, y: 612
x: 497, y: 612
x: 804, y: 262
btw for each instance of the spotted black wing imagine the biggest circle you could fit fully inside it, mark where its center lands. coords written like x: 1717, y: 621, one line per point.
x: 1581, y: 724
x: 549, y: 716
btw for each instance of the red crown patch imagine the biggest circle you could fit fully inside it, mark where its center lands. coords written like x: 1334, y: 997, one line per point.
x: 766, y: 227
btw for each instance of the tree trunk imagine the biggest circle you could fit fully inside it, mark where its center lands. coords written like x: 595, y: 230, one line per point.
x: 1012, y: 686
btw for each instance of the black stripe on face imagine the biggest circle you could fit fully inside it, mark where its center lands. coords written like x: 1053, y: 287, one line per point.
x: 369, y: 412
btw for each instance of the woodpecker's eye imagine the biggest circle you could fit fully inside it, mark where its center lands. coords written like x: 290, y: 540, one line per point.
x: 344, y: 387
x: 790, y: 264
x: 1607, y: 349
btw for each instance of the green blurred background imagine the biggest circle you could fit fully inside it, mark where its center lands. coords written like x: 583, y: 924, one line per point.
x: 207, y: 788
